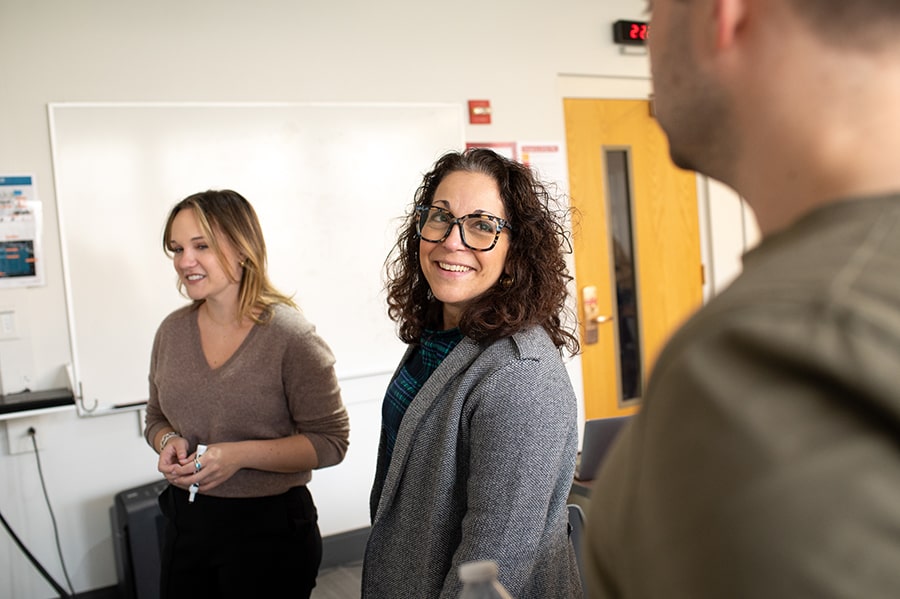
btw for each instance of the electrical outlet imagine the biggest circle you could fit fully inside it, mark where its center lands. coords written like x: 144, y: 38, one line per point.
x: 17, y: 435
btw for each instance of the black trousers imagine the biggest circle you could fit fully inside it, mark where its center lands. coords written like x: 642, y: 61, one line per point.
x: 217, y: 548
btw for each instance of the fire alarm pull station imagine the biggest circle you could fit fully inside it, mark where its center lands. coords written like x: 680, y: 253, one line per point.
x: 479, y: 112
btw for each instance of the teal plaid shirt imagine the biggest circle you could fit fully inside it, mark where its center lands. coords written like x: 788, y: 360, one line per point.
x: 433, y: 347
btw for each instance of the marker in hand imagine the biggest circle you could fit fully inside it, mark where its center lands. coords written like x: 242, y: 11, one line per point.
x: 201, y: 449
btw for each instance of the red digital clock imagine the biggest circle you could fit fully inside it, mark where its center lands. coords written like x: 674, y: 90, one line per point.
x: 631, y: 32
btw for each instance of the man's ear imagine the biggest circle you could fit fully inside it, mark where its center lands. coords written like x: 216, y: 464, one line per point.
x: 729, y: 17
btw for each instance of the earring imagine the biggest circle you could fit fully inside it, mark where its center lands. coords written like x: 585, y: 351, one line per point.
x: 506, y: 281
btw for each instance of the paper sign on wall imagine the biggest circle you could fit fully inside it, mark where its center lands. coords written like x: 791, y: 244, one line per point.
x: 20, y: 230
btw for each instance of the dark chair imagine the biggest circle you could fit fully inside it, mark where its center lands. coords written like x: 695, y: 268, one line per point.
x: 576, y: 523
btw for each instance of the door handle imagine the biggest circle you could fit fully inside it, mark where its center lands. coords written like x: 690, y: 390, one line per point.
x: 592, y: 316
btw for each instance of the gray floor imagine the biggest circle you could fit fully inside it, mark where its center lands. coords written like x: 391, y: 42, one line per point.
x: 341, y: 582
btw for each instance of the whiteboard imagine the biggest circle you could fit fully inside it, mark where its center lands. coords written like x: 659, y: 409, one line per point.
x: 330, y: 183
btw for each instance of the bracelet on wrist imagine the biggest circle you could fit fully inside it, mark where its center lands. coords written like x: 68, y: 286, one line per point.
x: 165, y: 439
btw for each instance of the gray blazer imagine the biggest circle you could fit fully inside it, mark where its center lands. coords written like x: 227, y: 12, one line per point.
x: 481, y: 469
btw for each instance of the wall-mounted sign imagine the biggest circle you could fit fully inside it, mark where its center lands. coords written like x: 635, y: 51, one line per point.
x: 20, y: 233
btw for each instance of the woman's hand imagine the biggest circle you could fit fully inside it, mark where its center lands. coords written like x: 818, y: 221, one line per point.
x: 171, y: 458
x: 217, y: 465
x: 221, y: 460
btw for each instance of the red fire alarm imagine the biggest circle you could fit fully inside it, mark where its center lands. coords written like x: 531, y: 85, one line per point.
x: 479, y: 112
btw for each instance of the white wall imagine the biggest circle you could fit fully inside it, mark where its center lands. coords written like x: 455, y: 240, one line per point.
x: 509, y: 51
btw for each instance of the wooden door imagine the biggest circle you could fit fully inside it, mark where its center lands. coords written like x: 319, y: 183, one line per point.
x: 637, y: 246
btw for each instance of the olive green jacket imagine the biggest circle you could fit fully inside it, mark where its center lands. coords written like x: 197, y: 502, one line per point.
x: 765, y: 461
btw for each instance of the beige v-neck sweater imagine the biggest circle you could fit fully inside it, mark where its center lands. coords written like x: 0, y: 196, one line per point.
x: 279, y: 382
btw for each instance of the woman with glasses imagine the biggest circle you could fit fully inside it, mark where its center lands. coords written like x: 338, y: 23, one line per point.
x: 479, y: 432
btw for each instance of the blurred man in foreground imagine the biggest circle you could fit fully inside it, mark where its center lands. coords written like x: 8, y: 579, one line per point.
x: 765, y: 461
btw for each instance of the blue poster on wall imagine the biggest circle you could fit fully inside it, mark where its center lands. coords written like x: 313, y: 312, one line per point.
x: 20, y: 226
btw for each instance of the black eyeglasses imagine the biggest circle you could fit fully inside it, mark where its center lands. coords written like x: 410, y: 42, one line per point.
x: 478, y: 232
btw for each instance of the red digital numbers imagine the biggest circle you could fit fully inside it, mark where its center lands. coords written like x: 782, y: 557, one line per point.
x: 638, y: 31
x: 633, y: 33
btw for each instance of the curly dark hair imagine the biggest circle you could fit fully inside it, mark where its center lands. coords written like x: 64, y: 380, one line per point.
x: 535, y: 262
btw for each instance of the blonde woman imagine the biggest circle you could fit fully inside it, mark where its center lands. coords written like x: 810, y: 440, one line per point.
x: 241, y: 373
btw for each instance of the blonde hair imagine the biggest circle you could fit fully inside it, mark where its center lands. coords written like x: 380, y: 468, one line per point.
x: 227, y: 213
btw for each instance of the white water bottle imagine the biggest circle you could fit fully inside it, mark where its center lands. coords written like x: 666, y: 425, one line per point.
x: 480, y: 581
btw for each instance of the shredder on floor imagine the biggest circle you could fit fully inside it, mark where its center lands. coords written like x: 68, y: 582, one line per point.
x: 137, y: 525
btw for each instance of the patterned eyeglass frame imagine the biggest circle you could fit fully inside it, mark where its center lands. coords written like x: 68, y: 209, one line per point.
x: 458, y: 220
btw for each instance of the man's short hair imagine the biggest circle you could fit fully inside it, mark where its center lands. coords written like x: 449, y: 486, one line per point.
x: 865, y: 24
